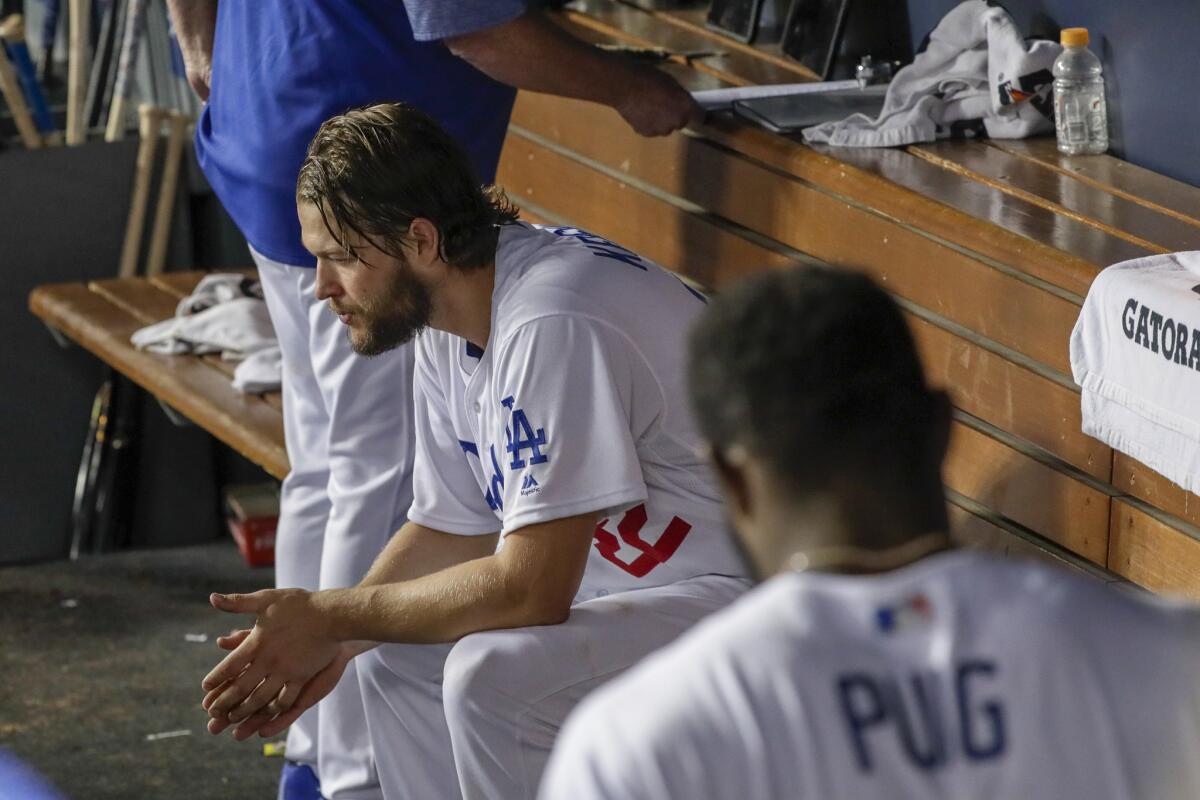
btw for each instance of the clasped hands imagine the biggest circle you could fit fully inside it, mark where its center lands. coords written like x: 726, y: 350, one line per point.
x: 276, y: 670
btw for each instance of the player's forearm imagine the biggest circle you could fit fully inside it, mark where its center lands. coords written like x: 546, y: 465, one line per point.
x: 195, y: 22
x: 416, y: 551
x: 533, y: 53
x: 444, y: 606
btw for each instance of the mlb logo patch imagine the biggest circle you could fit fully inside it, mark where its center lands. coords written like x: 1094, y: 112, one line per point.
x: 915, y: 610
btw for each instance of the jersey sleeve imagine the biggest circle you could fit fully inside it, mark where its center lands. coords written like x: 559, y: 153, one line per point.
x: 433, y: 20
x: 446, y: 493
x: 567, y: 447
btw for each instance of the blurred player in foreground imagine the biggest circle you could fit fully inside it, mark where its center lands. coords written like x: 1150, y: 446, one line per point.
x: 877, y: 662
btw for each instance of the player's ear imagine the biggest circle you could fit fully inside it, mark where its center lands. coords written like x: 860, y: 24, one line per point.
x: 730, y: 466
x: 425, y: 241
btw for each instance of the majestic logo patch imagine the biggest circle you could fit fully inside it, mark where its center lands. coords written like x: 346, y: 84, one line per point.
x: 530, y: 486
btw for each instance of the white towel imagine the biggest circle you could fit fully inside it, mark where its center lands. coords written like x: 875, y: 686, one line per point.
x: 262, y: 371
x: 1135, y: 351
x: 224, y: 314
x: 976, y: 77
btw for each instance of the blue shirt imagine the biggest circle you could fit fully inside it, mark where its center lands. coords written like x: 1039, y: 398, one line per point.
x: 282, y: 67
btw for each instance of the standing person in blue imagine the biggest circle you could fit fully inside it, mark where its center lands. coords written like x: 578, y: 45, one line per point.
x: 272, y: 71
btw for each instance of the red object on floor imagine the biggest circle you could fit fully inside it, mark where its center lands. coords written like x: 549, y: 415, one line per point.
x: 255, y: 539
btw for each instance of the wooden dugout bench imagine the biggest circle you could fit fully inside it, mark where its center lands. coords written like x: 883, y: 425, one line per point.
x: 102, y: 315
x: 988, y: 246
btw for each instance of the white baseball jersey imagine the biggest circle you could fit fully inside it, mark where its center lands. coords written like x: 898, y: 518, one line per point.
x: 961, y: 676
x: 577, y: 404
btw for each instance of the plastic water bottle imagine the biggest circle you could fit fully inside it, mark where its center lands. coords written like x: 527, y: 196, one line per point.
x: 1080, y: 115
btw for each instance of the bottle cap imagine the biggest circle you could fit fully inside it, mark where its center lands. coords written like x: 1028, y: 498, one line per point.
x: 1074, y: 37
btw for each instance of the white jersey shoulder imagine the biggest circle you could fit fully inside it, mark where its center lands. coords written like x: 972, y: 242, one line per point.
x: 576, y: 405
x: 962, y: 676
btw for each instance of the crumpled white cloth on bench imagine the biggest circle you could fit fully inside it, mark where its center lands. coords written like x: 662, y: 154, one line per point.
x: 225, y: 314
x: 976, y: 77
x: 1135, y: 352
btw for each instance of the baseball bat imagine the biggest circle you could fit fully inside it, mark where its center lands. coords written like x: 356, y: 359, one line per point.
x: 101, y: 64
x: 150, y: 128
x: 11, y: 89
x: 12, y: 31
x: 49, y: 37
x: 80, y: 19
x: 104, y: 103
x: 135, y: 17
x: 161, y: 233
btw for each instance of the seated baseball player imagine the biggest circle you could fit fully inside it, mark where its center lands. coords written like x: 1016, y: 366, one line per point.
x: 877, y: 661
x: 565, y: 521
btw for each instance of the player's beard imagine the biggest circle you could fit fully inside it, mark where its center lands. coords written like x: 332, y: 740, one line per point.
x: 394, y: 316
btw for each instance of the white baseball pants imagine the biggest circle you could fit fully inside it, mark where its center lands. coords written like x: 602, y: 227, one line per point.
x: 477, y: 719
x: 348, y: 428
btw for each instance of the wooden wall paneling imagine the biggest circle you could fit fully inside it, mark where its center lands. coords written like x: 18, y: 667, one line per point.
x: 1063, y: 193
x: 1135, y: 478
x: 1011, y: 397
x: 980, y: 530
x: 1037, y: 496
x: 1161, y: 555
x: 947, y: 281
x: 687, y: 242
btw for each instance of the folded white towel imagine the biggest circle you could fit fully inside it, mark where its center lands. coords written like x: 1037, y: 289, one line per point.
x: 225, y: 314
x: 262, y: 371
x: 976, y: 77
x: 1135, y: 352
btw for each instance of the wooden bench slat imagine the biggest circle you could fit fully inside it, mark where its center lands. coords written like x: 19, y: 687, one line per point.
x: 638, y: 28
x: 1038, y: 497
x: 695, y: 20
x: 988, y: 207
x: 1062, y: 193
x: 138, y: 297
x: 1136, y: 184
x: 1152, y: 553
x: 178, y: 285
x: 944, y: 280
x: 244, y: 422
x: 1061, y: 251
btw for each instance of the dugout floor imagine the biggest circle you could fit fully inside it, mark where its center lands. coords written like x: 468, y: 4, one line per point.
x: 85, y: 682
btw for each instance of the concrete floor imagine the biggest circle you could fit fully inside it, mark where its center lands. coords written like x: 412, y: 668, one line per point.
x: 94, y: 658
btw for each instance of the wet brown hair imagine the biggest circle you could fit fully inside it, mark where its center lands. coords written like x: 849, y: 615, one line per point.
x: 373, y: 170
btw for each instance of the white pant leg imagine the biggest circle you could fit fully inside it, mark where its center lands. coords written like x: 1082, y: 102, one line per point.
x: 402, y: 689
x: 304, y: 499
x: 506, y: 693
x: 365, y: 448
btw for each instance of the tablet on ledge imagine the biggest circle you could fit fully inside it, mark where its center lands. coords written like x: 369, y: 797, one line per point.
x: 793, y: 112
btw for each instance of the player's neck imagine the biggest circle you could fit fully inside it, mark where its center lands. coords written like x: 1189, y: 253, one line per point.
x: 859, y: 534
x: 463, y: 304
